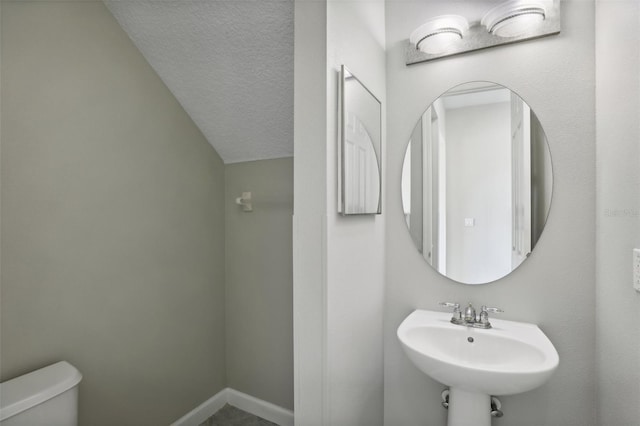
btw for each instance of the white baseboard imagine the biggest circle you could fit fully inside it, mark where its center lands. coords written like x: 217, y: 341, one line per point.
x: 260, y: 408
x: 203, y: 411
x: 248, y: 403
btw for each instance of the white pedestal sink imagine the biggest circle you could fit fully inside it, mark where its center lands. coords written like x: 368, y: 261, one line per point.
x: 509, y: 358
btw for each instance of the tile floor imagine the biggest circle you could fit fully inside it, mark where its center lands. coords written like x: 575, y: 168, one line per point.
x: 232, y: 416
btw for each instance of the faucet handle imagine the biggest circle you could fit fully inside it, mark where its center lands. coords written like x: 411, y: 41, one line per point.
x: 484, y: 315
x: 492, y: 310
x: 456, y: 318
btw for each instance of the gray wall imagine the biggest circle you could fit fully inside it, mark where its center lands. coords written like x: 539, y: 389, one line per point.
x: 259, y: 319
x: 618, y: 211
x: 112, y: 220
x: 555, y: 287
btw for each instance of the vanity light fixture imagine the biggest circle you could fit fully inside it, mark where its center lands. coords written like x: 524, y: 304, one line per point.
x: 490, y: 23
x: 514, y: 18
x: 440, y: 34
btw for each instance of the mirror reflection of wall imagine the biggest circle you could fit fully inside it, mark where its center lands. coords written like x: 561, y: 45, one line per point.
x: 476, y: 183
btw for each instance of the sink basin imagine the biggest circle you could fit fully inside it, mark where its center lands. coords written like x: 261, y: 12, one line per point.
x: 512, y: 357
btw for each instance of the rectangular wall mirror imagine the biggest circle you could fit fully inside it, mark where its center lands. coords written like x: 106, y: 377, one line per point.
x: 360, y: 147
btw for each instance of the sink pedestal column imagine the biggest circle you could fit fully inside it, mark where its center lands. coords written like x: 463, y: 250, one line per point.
x: 468, y: 408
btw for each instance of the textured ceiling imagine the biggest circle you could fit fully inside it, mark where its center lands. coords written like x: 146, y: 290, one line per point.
x: 229, y: 63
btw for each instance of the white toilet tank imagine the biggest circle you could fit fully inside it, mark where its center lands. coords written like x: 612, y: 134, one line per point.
x: 45, y: 397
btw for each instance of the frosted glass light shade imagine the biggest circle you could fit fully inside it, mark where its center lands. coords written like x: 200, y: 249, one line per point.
x: 514, y: 18
x: 439, y: 34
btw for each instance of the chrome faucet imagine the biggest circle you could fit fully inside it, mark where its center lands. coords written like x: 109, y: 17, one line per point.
x: 470, y: 319
x: 470, y: 314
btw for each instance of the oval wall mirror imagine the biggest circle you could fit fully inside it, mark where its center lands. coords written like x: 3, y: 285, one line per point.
x: 476, y: 183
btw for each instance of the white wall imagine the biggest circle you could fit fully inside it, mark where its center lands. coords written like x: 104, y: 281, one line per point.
x: 309, y: 207
x: 618, y: 210
x: 355, y: 245
x: 555, y: 286
x: 479, y: 156
x: 338, y: 261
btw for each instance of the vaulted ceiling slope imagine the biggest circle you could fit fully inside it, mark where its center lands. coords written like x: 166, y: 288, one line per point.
x: 228, y: 62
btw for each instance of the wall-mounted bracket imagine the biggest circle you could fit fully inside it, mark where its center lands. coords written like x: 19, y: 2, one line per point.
x: 245, y: 202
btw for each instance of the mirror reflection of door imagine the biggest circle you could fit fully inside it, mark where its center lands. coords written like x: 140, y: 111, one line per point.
x: 361, y: 186
x: 426, y: 212
x: 520, y: 180
x: 541, y: 179
x: 360, y: 148
x: 434, y: 202
x: 476, y: 183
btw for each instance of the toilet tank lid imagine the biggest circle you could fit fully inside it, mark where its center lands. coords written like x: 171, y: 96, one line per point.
x: 31, y: 389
